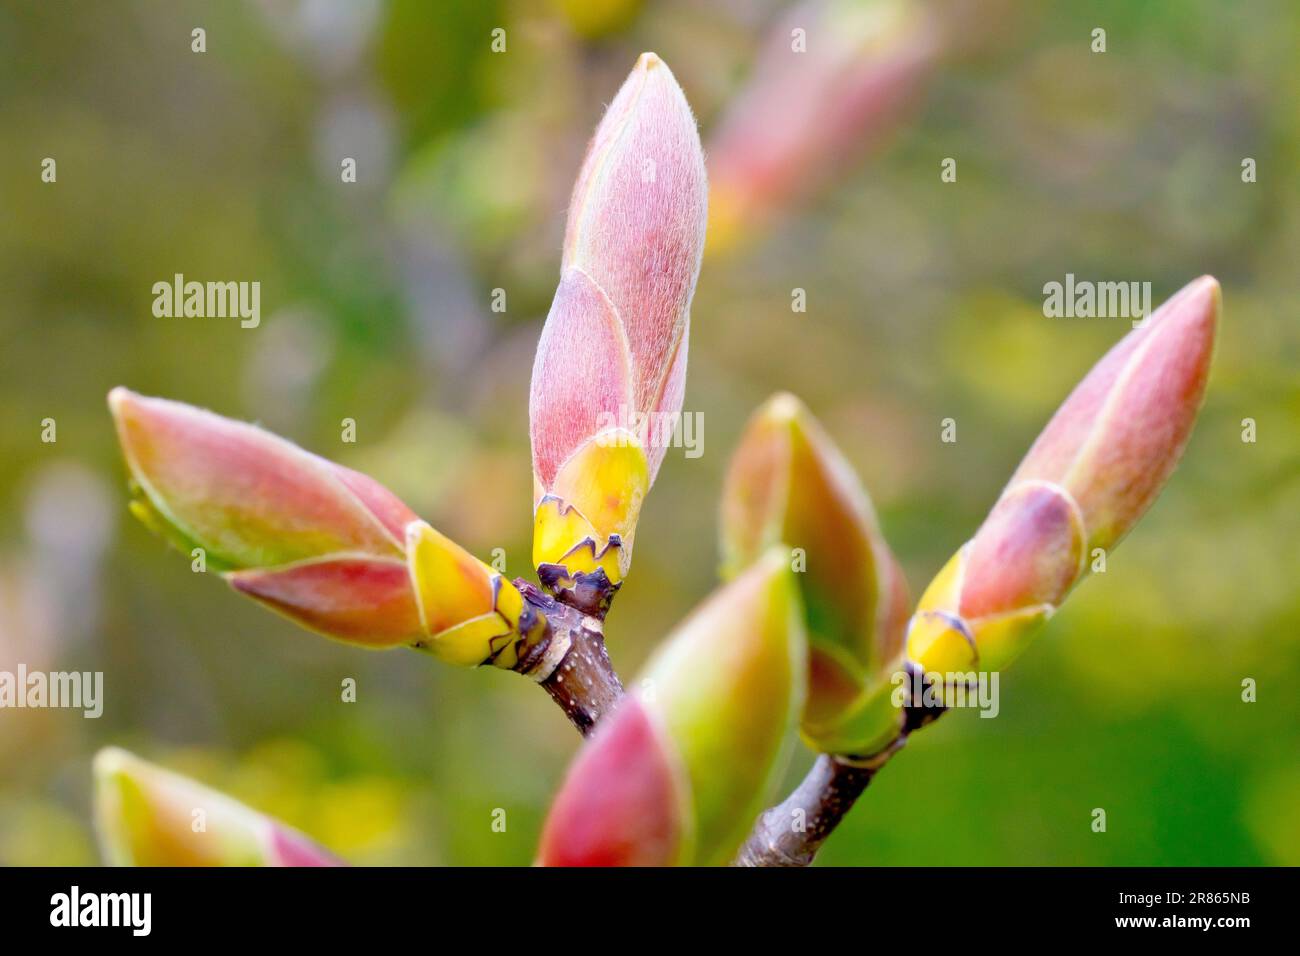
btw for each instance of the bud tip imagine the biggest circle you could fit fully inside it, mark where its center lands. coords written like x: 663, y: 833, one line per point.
x: 110, y: 760
x: 783, y: 407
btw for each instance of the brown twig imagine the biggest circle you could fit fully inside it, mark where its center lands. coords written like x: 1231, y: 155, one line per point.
x: 583, y: 681
x: 791, y: 833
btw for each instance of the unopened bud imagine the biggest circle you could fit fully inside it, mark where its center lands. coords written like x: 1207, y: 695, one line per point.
x: 788, y: 484
x: 614, y: 346
x: 676, y: 777
x: 1092, y: 473
x: 326, y: 546
x: 148, y: 816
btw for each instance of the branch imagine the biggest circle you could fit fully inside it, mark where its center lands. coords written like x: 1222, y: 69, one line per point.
x: 582, y: 680
x: 791, y: 833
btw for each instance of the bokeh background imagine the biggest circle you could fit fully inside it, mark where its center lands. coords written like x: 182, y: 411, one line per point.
x: 924, y: 301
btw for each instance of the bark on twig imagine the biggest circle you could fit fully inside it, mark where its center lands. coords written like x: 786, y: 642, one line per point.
x: 791, y: 833
x: 583, y: 682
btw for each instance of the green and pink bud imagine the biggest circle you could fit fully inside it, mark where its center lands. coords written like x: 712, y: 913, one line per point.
x: 789, y: 485
x: 1095, y: 469
x: 148, y: 816
x: 678, y: 773
x: 614, y: 347
x: 325, y: 546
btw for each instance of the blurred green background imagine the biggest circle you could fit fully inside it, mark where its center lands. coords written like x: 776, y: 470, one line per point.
x: 924, y: 302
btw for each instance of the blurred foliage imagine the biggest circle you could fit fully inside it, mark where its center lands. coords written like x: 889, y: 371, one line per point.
x: 924, y: 302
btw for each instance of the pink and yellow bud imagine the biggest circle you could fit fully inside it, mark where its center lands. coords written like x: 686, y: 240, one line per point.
x: 1092, y: 473
x: 148, y: 816
x: 614, y: 347
x: 789, y: 485
x: 677, y: 774
x: 325, y: 546
x: 832, y: 80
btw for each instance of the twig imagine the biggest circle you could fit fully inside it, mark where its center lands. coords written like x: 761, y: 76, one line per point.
x: 582, y: 679
x: 791, y: 833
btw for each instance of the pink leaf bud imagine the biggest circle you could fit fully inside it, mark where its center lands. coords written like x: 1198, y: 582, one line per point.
x: 1092, y: 473
x: 788, y: 484
x: 326, y: 546
x: 613, y: 350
